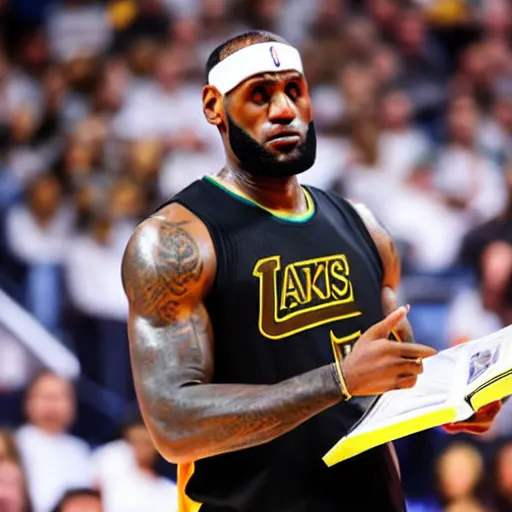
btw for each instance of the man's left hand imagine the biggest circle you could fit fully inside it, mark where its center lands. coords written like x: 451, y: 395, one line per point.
x: 479, y: 423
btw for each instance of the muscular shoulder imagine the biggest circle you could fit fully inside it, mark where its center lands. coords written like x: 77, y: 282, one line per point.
x: 168, y: 265
x: 384, y: 243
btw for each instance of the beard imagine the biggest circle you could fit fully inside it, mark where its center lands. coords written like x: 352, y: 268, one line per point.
x: 256, y: 160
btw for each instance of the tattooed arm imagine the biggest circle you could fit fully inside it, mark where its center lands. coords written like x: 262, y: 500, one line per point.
x: 168, y: 267
x: 392, y: 268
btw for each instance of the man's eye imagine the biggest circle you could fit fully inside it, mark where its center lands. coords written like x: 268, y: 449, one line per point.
x: 293, y: 91
x: 259, y: 95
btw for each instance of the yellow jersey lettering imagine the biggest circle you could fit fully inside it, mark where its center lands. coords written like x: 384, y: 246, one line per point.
x: 310, y: 293
x: 293, y: 292
x: 340, y: 274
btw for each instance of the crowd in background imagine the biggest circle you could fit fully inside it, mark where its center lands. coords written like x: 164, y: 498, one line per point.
x: 101, y: 121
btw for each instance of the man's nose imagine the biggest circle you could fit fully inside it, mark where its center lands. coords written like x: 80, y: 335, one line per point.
x: 282, y: 109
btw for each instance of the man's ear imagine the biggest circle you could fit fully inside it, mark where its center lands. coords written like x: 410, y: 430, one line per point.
x: 212, y: 105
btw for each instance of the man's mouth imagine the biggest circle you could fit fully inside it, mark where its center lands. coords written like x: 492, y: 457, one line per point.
x: 283, y: 139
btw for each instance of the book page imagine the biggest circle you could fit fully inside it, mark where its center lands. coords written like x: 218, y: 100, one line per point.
x: 489, y: 357
x: 440, y: 385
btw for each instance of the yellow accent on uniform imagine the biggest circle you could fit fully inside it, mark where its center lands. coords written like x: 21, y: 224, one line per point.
x: 185, y: 504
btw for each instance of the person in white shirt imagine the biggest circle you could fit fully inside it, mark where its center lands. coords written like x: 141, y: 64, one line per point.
x: 167, y: 108
x: 124, y: 471
x: 472, y: 184
x: 78, y: 28
x: 37, y: 233
x: 95, y: 290
x: 54, y: 460
x: 401, y: 144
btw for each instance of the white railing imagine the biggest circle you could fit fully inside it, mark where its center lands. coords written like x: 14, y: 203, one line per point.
x: 47, y: 349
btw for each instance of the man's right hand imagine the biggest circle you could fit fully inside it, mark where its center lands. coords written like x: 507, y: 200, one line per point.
x: 377, y: 364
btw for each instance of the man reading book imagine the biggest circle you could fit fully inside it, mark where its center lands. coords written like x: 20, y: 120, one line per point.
x: 258, y: 307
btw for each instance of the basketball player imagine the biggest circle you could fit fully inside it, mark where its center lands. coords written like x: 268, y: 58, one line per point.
x: 247, y: 295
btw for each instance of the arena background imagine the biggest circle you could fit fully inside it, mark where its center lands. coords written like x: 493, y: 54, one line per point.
x: 101, y: 120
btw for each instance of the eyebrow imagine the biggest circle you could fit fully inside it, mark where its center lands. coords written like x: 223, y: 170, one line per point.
x: 272, y: 78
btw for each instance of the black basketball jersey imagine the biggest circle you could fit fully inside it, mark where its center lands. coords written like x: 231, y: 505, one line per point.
x: 286, y: 288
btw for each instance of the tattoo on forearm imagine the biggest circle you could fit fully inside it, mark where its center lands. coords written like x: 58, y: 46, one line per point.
x: 209, y: 419
x: 172, y: 348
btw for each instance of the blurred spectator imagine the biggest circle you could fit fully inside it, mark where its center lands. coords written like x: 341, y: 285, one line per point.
x: 501, y: 478
x: 169, y: 108
x: 466, y: 505
x: 384, y: 14
x: 495, y: 17
x: 487, y: 249
x: 472, y: 185
x: 424, y: 71
x: 499, y: 58
x: 54, y: 460
x: 401, y: 145
x: 78, y: 28
x: 45, y: 223
x: 325, y: 29
x: 495, y: 134
x: 262, y: 14
x: 358, y: 92
x: 125, y: 471
x: 8, y: 448
x: 96, y: 294
x: 13, y: 497
x: 80, y: 500
x: 364, y: 174
x: 472, y: 75
x: 25, y: 157
x: 144, y: 161
x: 219, y: 20
x: 360, y: 39
x: 137, y: 21
x: 459, y: 475
x: 468, y: 319
x: 331, y: 164
x: 33, y: 55
x: 13, y: 485
x: 386, y: 66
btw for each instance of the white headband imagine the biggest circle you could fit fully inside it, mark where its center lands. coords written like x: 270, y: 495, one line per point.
x: 254, y: 60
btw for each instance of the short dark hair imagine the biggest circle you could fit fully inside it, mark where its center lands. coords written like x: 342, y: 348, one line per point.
x: 76, y: 493
x: 238, y: 42
x: 39, y: 376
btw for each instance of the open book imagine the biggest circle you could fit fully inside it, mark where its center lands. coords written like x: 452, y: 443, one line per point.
x: 455, y: 383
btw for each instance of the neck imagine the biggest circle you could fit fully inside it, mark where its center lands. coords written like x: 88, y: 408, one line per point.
x: 49, y: 430
x: 396, y: 128
x: 145, y: 470
x: 283, y: 193
x: 464, y: 144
